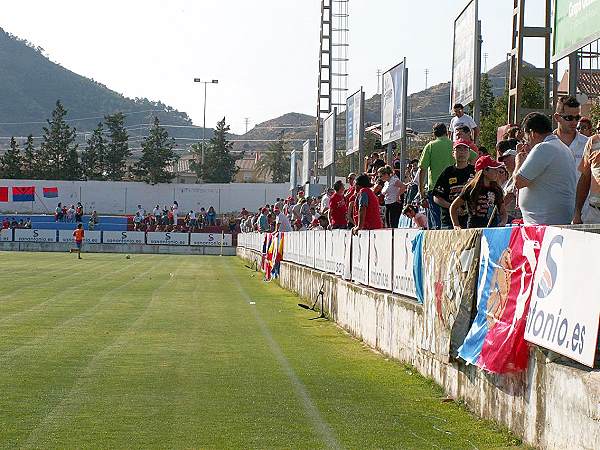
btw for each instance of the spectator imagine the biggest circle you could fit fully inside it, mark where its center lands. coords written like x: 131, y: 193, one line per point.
x: 71, y: 214
x: 480, y: 195
x: 28, y: 224
x: 568, y: 113
x: 322, y: 223
x: 137, y: 221
x: 369, y: 217
x: 279, y: 204
x: 193, y: 222
x: 350, y: 196
x: 392, y: 190
x: 306, y: 216
x: 461, y: 119
x: 5, y: 223
x: 585, y: 127
x: 451, y: 183
x: 21, y: 224
x: 419, y: 219
x: 297, y: 210
x: 544, y: 174
x: 263, y: 221
x: 436, y: 156
x: 211, y: 217
x: 175, y: 211
x: 78, y: 212
x: 338, y: 209
x: 58, y: 213
x: 501, y: 147
x: 271, y: 221
x: 374, y: 163
x: 510, y: 192
x: 14, y: 223
x: 141, y: 210
x: 232, y: 223
x: 588, y: 187
x: 202, y: 217
x: 156, y: 213
x: 282, y: 223
x: 325, y: 200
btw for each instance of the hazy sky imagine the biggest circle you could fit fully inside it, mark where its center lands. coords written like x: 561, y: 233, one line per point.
x: 264, y: 52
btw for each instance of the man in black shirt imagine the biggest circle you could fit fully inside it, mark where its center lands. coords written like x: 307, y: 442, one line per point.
x: 451, y: 182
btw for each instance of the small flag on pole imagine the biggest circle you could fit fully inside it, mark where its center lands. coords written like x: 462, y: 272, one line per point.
x: 3, y: 193
x: 50, y: 192
x: 23, y: 193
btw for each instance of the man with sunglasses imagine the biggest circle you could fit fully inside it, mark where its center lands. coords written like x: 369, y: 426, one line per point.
x: 567, y: 116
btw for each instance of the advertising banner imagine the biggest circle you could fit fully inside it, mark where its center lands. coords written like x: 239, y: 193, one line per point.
x: 403, y: 280
x: 6, y: 235
x: 450, y: 266
x: 330, y: 246
x: 320, y: 238
x: 347, y: 236
x: 380, y: 259
x: 123, y: 237
x: 213, y: 239
x: 393, y: 104
x: 342, y: 248
x: 509, y: 258
x: 354, y: 122
x: 306, y: 162
x: 302, y: 259
x: 90, y: 237
x: 557, y: 320
x: 329, y: 130
x: 575, y: 25
x: 464, y: 65
x: 167, y: 238
x: 26, y: 235
x: 360, y: 258
x: 293, y: 171
x: 310, y: 248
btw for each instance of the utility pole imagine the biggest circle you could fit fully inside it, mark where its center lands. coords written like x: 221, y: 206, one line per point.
x: 198, y: 80
x: 246, y: 121
x: 485, y: 58
x: 426, y: 78
x: 378, y: 80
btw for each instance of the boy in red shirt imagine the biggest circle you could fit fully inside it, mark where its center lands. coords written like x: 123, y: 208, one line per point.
x: 338, y: 209
x: 78, y: 235
x: 369, y: 215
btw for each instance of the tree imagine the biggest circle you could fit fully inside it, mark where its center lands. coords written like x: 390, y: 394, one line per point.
x: 30, y: 160
x: 275, y: 162
x: 157, y: 156
x: 11, y: 161
x: 117, y: 150
x: 59, y: 151
x: 93, y: 157
x: 219, y: 164
x: 486, y: 96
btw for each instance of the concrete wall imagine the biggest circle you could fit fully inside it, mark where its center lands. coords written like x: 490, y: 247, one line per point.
x: 109, y: 197
x: 554, y: 405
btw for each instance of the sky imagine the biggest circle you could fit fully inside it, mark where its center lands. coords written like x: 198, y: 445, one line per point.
x: 263, y: 52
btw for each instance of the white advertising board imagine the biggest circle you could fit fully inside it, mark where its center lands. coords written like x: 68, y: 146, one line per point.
x: 360, y: 258
x: 302, y: 248
x: 90, y: 237
x: 464, y: 65
x: 380, y: 259
x: 6, y: 235
x: 403, y: 280
x: 167, y: 238
x: 213, y: 239
x: 306, y: 162
x: 310, y: 249
x: 35, y: 235
x: 564, y: 309
x: 393, y: 104
x: 293, y: 171
x: 347, y: 237
x: 123, y: 237
x: 354, y: 122
x: 320, y: 239
x: 329, y: 139
x: 330, y: 245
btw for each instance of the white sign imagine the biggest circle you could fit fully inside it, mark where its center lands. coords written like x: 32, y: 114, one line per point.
x: 463, y: 60
x: 360, y: 258
x: 306, y: 162
x: 320, y: 246
x: 393, y: 104
x: 329, y: 139
x: 215, y: 239
x: 347, y: 239
x: 310, y: 248
x: 5, y: 235
x: 90, y: 237
x: 167, y: 238
x: 35, y: 235
x: 123, y: 237
x: 564, y: 309
x: 354, y: 122
x: 330, y: 245
x: 403, y: 281
x: 293, y: 171
x: 302, y: 248
x: 380, y: 259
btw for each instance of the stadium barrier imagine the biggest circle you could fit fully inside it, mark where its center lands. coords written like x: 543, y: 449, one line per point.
x: 476, y: 310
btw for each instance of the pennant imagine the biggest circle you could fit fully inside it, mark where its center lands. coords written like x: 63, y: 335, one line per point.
x: 50, y: 192
x: 23, y: 193
x: 3, y: 193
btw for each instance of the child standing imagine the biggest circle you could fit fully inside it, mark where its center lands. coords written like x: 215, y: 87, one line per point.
x: 78, y: 235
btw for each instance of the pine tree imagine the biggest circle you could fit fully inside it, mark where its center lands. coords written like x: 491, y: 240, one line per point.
x: 30, y: 163
x: 10, y: 162
x: 59, y: 150
x: 275, y: 162
x: 219, y: 164
x: 93, y: 157
x: 157, y: 156
x: 117, y: 150
x: 486, y: 96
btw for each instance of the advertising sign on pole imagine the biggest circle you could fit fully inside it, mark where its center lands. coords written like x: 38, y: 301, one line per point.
x: 464, y: 67
x: 354, y: 122
x: 575, y: 25
x: 556, y: 320
x: 329, y: 130
x: 306, y: 162
x: 393, y: 104
x: 293, y: 171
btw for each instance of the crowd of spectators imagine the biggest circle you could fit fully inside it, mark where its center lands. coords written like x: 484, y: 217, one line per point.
x: 169, y: 219
x: 12, y: 223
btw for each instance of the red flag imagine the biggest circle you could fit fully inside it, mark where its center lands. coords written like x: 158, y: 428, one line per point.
x: 3, y: 193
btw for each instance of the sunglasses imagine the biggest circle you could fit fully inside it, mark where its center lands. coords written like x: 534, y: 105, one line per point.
x: 570, y: 118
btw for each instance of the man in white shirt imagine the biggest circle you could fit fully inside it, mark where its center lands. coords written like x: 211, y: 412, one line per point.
x: 325, y: 200
x: 282, y: 223
x: 567, y: 115
x: 141, y: 211
x: 461, y: 119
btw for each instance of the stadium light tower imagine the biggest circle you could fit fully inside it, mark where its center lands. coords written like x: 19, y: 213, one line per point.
x: 198, y: 80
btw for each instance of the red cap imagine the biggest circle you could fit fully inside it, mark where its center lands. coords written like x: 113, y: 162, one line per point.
x: 276, y: 210
x: 462, y: 142
x: 486, y: 162
x: 264, y: 210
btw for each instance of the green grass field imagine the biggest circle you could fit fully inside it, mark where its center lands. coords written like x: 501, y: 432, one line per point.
x: 197, y: 352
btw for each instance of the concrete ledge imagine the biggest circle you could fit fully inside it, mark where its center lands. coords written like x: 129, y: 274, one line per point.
x: 116, y: 248
x: 552, y: 405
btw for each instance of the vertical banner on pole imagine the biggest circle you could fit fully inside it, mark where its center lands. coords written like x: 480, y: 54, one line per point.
x: 329, y: 130
x: 393, y: 104
x: 464, y: 55
x: 293, y: 171
x: 354, y: 122
x: 306, y: 162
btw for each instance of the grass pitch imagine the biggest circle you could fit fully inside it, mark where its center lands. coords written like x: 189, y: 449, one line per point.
x: 197, y: 352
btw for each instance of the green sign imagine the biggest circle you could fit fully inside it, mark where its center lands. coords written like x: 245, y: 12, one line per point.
x: 576, y: 23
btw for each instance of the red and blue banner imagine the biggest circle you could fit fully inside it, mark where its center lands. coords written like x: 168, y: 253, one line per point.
x: 23, y: 193
x: 273, y: 255
x: 50, y: 192
x: 3, y: 193
x: 508, y: 262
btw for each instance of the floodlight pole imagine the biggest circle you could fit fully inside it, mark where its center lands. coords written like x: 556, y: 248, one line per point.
x: 198, y: 80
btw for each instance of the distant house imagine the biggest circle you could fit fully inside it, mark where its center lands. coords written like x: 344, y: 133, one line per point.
x: 246, y: 173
